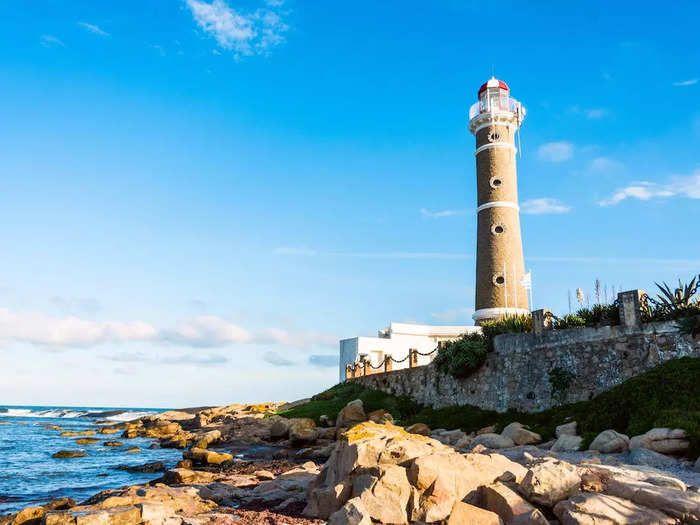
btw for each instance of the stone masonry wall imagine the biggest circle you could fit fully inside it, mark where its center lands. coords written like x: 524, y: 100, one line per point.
x: 516, y: 374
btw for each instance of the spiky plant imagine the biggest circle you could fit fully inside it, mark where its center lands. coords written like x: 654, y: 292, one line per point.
x: 680, y: 298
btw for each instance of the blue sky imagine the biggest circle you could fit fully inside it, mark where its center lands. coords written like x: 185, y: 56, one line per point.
x: 199, y: 199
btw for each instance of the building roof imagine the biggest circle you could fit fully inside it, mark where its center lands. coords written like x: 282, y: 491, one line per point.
x: 430, y: 330
x: 493, y: 82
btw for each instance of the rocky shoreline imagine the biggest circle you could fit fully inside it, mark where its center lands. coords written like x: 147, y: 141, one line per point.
x: 243, y: 464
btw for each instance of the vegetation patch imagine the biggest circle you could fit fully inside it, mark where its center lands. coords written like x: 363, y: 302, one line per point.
x: 462, y: 357
x: 665, y: 396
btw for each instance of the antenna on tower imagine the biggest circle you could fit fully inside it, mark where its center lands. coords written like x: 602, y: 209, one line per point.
x: 493, y: 71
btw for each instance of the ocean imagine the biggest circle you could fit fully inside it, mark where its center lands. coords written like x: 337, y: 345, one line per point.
x: 30, y: 476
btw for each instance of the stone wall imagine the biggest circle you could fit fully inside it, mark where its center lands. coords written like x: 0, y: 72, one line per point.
x: 516, y: 374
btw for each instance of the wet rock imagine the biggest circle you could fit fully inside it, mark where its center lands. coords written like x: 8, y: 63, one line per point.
x: 549, y: 482
x: 589, y: 508
x: 110, y: 430
x: 133, y: 450
x: 87, y: 441
x: 70, y: 433
x: 662, y: 440
x: 208, y: 438
x: 65, y: 454
x: 520, y: 434
x: 147, y: 468
x: 52, y: 427
x: 113, y: 444
x: 609, y: 442
x: 351, y: 414
x: 495, y: 441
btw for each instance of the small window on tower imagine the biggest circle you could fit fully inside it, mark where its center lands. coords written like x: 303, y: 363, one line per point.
x: 495, y: 182
x: 494, y: 136
x: 498, y: 229
x: 499, y: 280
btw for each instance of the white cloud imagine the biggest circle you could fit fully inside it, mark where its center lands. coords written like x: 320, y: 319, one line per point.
x: 195, y: 332
x: 92, y: 28
x: 440, y: 214
x: 180, y: 359
x: 555, y: 151
x: 51, y: 41
x: 687, y: 186
x: 275, y: 359
x: 544, y: 205
x: 689, y: 82
x: 324, y: 360
x: 238, y: 31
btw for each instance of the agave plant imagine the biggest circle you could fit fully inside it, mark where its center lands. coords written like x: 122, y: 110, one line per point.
x: 681, y: 298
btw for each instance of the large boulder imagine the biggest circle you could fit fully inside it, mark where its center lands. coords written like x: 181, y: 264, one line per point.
x: 206, y: 457
x: 419, y: 428
x: 609, y: 442
x: 279, y: 428
x: 644, y: 456
x: 511, y: 508
x: 663, y: 440
x: 589, y: 508
x: 438, y: 475
x: 380, y: 416
x: 520, y: 434
x: 567, y: 429
x: 549, y: 482
x: 302, y: 431
x: 492, y: 441
x: 567, y: 443
x: 351, y: 414
x: 208, y: 438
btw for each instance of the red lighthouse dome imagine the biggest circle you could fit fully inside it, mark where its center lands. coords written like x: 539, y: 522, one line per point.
x: 492, y: 83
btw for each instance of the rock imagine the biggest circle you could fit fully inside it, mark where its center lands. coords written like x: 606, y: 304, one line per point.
x: 264, y: 474
x: 384, y: 491
x: 184, y: 463
x: 643, y: 456
x: 208, y: 438
x: 74, y: 434
x: 567, y: 443
x: 326, y: 421
x: 492, y: 441
x: 683, y: 505
x: 133, y: 450
x: 351, y: 414
x: 663, y: 440
x: 109, y: 430
x: 589, y: 508
x: 419, y: 428
x: 52, y: 427
x: 206, y: 457
x: 64, y: 454
x: 279, y: 428
x: 696, y: 467
x: 155, y: 466
x: 520, y: 435
x: 352, y: 513
x: 327, y: 433
x: 380, y: 416
x: 610, y: 442
x: 567, y: 429
x: 302, y: 431
x: 487, y: 430
x: 466, y: 514
x: 87, y: 441
x: 179, y: 441
x: 549, y: 482
x: 113, y: 444
x: 509, y: 506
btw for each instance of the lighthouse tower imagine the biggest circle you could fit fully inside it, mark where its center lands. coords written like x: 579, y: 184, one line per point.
x: 493, y: 120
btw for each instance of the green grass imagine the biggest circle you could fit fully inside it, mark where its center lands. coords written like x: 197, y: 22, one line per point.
x: 665, y: 396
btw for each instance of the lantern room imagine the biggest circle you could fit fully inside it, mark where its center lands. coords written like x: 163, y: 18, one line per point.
x: 494, y: 94
x: 495, y: 104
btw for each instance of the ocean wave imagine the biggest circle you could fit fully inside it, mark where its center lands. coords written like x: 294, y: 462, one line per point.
x: 72, y: 413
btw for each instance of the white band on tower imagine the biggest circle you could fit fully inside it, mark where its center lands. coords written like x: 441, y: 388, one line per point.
x: 491, y: 313
x: 490, y: 145
x: 498, y: 204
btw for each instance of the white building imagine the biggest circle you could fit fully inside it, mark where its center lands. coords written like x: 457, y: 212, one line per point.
x: 396, y: 340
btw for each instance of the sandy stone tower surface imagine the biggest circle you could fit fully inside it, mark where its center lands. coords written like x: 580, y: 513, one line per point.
x: 494, y: 120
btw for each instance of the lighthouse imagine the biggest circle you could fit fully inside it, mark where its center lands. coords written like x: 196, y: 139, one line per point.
x: 494, y: 121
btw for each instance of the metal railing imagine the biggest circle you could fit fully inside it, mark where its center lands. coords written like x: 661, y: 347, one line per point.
x: 491, y: 105
x: 366, y: 368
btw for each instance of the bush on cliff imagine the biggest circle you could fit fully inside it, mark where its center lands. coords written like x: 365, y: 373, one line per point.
x: 462, y: 357
x: 510, y: 324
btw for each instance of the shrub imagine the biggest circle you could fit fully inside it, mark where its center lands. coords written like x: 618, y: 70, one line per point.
x: 689, y: 326
x: 560, y: 380
x: 599, y: 315
x: 511, y: 324
x: 568, y: 321
x: 462, y: 357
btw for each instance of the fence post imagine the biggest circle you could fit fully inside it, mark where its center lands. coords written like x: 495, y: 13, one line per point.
x: 347, y: 372
x: 631, y: 303
x: 387, y: 363
x: 364, y: 367
x: 541, y: 320
x: 412, y: 358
